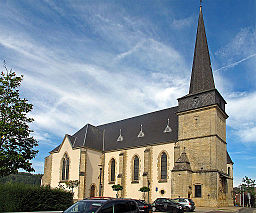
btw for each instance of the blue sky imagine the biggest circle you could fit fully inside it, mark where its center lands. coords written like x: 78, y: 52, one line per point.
x: 101, y: 61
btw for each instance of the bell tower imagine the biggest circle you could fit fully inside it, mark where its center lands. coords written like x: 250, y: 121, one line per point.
x: 202, y: 133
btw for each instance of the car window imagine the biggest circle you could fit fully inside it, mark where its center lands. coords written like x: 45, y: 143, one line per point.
x: 140, y: 202
x: 88, y: 206
x: 108, y: 208
x: 160, y: 200
x: 122, y: 207
x: 175, y: 200
x: 133, y: 206
x: 170, y: 201
x: 182, y: 200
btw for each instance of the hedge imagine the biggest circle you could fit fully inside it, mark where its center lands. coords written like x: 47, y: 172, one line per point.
x: 21, y: 197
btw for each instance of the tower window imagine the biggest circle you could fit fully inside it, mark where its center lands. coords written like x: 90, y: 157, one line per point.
x: 198, y: 190
x: 228, y: 171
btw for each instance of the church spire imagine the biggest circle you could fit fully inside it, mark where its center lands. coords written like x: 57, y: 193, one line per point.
x: 201, y: 77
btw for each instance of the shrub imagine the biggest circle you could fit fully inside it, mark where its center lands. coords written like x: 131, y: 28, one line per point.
x: 21, y: 197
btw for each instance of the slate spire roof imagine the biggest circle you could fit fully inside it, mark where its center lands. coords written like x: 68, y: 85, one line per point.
x: 201, y: 77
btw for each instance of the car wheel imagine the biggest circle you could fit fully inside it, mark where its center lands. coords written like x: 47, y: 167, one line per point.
x: 153, y: 209
x: 187, y: 209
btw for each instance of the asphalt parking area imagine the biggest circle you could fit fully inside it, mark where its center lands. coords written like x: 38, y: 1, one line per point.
x: 226, y: 210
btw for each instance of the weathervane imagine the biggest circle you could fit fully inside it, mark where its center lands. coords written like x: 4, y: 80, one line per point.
x: 201, y: 3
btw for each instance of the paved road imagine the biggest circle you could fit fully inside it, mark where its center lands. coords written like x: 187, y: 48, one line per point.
x: 226, y: 210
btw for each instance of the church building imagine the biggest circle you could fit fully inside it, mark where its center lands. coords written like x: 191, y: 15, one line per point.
x: 177, y: 152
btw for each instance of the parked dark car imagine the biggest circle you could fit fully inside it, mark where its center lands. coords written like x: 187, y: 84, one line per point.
x: 188, y: 204
x: 104, y: 206
x: 143, y: 206
x: 166, y: 205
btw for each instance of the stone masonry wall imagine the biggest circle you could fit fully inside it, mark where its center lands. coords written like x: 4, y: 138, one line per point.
x: 202, y: 132
x: 46, y: 179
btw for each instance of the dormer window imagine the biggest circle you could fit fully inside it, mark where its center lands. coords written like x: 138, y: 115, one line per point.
x: 141, y: 133
x: 120, y: 137
x: 167, y: 128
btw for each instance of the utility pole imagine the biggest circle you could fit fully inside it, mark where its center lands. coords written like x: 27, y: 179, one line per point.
x: 240, y: 195
x: 243, y: 198
x: 148, y: 191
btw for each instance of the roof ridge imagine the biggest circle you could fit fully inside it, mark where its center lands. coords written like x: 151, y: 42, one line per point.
x: 137, y: 116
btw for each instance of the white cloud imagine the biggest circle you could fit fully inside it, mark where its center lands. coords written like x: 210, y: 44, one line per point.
x: 237, y: 181
x: 182, y: 23
x: 38, y: 166
x: 243, y: 44
x: 66, y: 95
x: 241, y: 109
x: 236, y: 63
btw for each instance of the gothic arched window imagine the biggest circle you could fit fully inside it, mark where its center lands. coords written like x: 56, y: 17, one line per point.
x: 65, y: 168
x: 163, y: 166
x: 113, y: 170
x: 136, y: 168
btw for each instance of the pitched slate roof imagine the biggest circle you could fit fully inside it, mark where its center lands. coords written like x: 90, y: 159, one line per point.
x: 201, y: 77
x: 153, y: 126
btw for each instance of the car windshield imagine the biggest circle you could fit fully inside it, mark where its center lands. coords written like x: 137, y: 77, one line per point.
x: 170, y: 201
x: 86, y: 206
x: 163, y: 200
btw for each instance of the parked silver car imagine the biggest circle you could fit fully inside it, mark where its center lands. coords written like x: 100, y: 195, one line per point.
x: 188, y: 204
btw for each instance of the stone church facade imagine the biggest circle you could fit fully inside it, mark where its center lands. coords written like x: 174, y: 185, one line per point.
x: 177, y: 152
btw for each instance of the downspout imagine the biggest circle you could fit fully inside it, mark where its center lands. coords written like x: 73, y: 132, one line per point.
x: 103, y: 163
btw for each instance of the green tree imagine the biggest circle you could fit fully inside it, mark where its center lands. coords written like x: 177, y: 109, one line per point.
x: 22, y: 177
x: 71, y: 184
x: 16, y: 143
x: 117, y: 188
x: 248, y: 185
x: 144, y: 189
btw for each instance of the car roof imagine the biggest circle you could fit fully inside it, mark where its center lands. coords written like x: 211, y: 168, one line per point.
x: 107, y: 199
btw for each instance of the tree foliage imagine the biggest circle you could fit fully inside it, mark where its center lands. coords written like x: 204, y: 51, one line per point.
x: 16, y: 143
x: 71, y: 184
x: 22, y: 177
x: 28, y: 198
x: 117, y: 188
x: 144, y: 189
x: 248, y: 185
